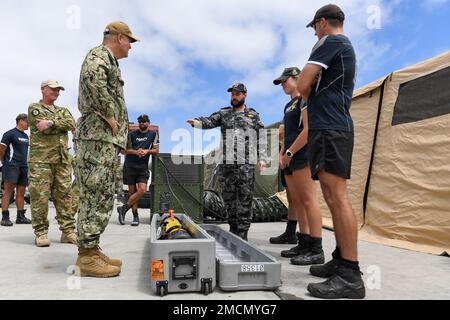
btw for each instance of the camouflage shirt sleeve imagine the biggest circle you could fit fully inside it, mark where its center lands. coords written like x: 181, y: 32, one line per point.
x: 64, y: 122
x: 95, y: 80
x: 262, y: 139
x: 214, y: 121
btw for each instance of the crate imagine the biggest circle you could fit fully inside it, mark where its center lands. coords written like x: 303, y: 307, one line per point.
x: 178, y: 266
x: 183, y: 183
x: 240, y: 266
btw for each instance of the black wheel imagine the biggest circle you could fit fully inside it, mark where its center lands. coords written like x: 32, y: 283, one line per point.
x: 206, y: 289
x: 162, y: 292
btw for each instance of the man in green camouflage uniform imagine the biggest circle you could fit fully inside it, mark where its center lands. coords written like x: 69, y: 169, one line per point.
x: 50, y: 169
x: 242, y: 149
x: 101, y: 133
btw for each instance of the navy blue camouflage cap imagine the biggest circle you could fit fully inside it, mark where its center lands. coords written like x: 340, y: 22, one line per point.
x: 144, y: 118
x: 287, y: 73
x: 239, y: 87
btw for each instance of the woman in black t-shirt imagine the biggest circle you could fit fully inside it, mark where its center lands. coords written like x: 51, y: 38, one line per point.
x: 297, y: 174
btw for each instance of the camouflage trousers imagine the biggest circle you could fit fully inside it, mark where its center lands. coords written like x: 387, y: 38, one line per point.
x: 238, y: 183
x: 96, y: 163
x: 75, y: 197
x: 51, y: 181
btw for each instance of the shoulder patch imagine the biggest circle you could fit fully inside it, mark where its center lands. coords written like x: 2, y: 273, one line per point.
x: 35, y: 112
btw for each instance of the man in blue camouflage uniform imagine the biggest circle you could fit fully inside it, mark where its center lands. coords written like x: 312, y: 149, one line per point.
x: 243, y: 147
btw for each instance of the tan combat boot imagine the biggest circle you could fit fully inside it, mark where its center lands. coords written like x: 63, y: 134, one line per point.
x: 69, y: 238
x: 42, y: 241
x: 108, y: 260
x: 90, y: 264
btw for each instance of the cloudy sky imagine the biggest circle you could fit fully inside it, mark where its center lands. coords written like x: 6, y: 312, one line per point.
x: 192, y: 51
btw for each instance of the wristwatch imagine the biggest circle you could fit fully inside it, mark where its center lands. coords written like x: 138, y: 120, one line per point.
x: 51, y: 124
x: 289, y: 154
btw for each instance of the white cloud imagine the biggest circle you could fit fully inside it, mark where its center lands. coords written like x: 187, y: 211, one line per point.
x: 434, y: 3
x: 250, y: 40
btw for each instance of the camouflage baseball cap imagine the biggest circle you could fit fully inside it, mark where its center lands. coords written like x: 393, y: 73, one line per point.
x: 52, y: 84
x: 239, y: 87
x: 330, y: 11
x: 287, y: 73
x: 119, y: 27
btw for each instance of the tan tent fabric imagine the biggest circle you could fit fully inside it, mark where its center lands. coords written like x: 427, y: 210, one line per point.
x: 409, y: 195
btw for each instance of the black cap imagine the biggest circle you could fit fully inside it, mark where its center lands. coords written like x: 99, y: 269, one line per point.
x: 330, y: 11
x: 238, y: 87
x: 22, y: 116
x: 287, y: 73
x: 144, y: 118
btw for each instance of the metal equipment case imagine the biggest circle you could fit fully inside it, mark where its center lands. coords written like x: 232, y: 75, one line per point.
x: 182, y: 265
x: 240, y: 266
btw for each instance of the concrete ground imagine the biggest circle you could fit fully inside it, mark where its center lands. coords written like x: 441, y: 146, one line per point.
x: 33, y: 273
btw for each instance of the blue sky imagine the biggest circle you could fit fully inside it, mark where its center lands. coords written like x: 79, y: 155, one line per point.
x: 192, y: 51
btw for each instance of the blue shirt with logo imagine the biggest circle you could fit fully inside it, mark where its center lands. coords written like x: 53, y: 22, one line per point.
x: 330, y: 101
x: 17, y: 143
x: 140, y: 140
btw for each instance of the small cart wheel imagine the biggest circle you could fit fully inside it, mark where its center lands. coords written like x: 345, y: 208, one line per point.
x: 162, y: 291
x: 206, y: 289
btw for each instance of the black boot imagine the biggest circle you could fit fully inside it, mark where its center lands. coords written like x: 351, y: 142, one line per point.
x: 243, y: 235
x: 21, y: 219
x: 327, y: 270
x: 314, y: 255
x: 347, y: 283
x: 122, y: 212
x: 6, y: 222
x: 302, y: 247
x: 234, y: 229
x: 135, y: 222
x: 288, y: 237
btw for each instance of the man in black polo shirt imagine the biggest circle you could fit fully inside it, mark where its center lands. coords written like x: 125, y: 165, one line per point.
x: 142, y: 143
x: 327, y: 83
x: 14, y: 156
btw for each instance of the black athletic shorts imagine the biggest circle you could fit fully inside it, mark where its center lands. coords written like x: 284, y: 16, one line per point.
x: 134, y: 176
x: 299, y: 162
x: 15, y: 175
x: 331, y: 151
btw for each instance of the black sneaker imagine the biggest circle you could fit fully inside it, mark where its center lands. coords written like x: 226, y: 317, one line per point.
x: 135, y: 222
x: 302, y: 248
x: 21, y: 219
x: 326, y: 271
x: 285, y: 238
x: 6, y: 222
x: 338, y: 286
x: 309, y: 258
x: 122, y: 212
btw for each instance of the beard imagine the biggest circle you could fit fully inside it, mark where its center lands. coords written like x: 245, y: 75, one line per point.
x: 143, y: 127
x: 237, y: 104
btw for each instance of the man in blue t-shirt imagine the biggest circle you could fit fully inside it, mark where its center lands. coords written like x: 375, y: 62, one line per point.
x: 14, y: 156
x: 327, y: 83
x: 141, y: 144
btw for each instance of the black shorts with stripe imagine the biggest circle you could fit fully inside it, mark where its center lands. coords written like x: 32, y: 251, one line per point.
x: 332, y: 152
